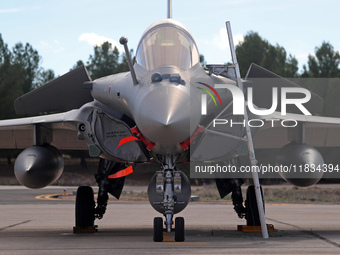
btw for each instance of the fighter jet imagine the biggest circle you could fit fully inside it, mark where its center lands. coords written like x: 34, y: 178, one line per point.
x: 167, y: 109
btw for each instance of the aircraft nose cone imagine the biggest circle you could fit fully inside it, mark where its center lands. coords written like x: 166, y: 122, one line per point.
x: 166, y: 117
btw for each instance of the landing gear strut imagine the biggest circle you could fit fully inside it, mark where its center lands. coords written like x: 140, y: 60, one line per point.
x: 105, y: 168
x: 249, y: 210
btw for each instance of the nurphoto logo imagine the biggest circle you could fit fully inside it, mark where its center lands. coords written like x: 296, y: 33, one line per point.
x: 238, y: 100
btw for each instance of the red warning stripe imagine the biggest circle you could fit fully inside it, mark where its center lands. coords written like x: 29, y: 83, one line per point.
x: 126, y: 140
x: 149, y: 145
x: 121, y: 173
x: 185, y: 145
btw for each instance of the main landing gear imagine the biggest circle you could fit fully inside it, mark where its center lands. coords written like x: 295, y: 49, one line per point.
x: 249, y: 210
x: 86, y: 209
x: 169, y: 193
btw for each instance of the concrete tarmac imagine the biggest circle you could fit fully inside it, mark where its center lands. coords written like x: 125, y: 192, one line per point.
x: 35, y: 226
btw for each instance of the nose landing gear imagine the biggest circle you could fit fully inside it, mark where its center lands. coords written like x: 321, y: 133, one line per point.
x: 169, y: 193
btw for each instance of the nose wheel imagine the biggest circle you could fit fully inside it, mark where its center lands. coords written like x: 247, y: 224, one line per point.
x: 158, y: 229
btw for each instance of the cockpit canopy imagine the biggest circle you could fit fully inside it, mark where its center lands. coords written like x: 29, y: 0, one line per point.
x: 167, y: 43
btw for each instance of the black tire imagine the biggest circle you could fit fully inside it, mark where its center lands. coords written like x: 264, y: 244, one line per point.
x: 85, y: 207
x: 252, y: 212
x: 179, y: 229
x: 158, y: 229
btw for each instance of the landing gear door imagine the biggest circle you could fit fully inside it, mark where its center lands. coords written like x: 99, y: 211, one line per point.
x: 116, y: 139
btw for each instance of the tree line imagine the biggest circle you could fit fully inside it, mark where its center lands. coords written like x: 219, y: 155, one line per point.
x: 21, y: 71
x: 105, y: 60
x: 324, y: 63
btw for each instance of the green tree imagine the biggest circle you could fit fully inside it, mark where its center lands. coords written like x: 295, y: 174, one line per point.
x: 79, y: 63
x: 29, y: 59
x: 256, y: 50
x: 11, y: 80
x: 104, y: 61
x: 12, y: 77
x: 123, y: 64
x: 325, y: 63
x: 202, y: 61
x: 5, y: 54
x: 43, y: 77
x: 252, y: 49
x: 19, y: 73
x: 291, y: 67
x: 274, y: 59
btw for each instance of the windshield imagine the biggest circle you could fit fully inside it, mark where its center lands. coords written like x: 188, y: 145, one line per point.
x: 167, y: 45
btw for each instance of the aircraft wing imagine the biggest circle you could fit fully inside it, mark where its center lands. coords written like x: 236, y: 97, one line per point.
x: 19, y: 133
x: 319, y: 131
x: 64, y: 94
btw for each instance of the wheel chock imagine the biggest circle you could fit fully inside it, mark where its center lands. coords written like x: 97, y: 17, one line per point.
x: 87, y: 230
x: 254, y: 229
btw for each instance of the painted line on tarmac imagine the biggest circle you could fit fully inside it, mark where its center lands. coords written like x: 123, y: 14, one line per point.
x: 55, y: 197
x: 308, y: 232
x: 71, y: 197
x: 14, y: 225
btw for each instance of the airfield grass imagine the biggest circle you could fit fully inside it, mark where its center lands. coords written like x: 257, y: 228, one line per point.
x: 272, y: 194
x: 313, y: 194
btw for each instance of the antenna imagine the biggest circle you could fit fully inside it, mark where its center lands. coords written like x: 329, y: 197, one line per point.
x: 123, y: 40
x: 169, y: 9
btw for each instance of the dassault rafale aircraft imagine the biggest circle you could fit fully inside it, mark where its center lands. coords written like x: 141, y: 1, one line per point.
x: 168, y: 109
